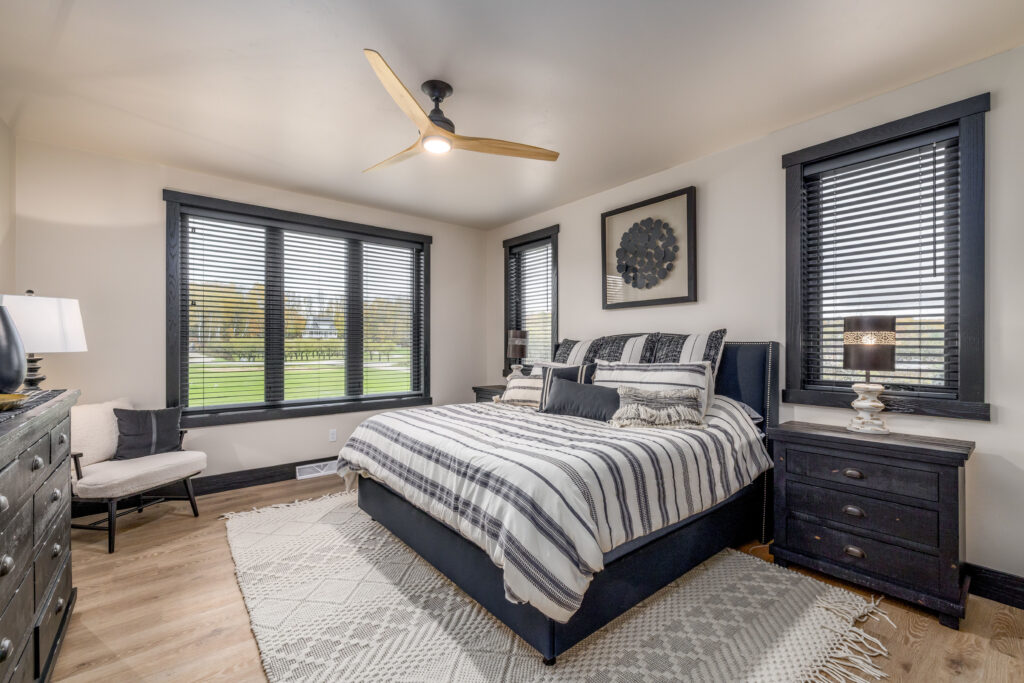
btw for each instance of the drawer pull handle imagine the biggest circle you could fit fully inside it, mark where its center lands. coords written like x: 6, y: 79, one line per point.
x: 4, y: 503
x: 852, y: 473
x: 5, y: 648
x: 37, y: 463
x: 853, y: 511
x: 854, y: 551
x: 60, y: 606
x: 62, y: 439
x: 55, y: 496
x: 56, y: 549
x: 6, y: 565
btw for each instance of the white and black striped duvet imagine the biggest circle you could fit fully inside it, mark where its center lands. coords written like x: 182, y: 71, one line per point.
x: 547, y: 495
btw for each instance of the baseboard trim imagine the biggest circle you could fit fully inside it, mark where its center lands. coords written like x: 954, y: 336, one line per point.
x: 245, y: 478
x: 996, y: 585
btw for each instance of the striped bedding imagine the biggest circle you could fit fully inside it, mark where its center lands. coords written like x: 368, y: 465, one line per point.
x: 547, y: 495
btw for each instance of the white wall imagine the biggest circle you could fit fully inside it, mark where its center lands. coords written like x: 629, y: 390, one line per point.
x: 93, y: 228
x: 6, y: 208
x: 741, y: 274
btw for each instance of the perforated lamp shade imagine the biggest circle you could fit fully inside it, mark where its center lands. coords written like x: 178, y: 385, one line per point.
x: 869, y: 343
x: 516, y: 344
x: 47, y: 324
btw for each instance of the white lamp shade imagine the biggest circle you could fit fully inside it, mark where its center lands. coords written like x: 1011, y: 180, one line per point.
x: 46, y: 324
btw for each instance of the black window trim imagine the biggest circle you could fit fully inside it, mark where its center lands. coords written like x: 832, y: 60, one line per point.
x: 969, y: 116
x: 179, y: 202
x: 549, y: 233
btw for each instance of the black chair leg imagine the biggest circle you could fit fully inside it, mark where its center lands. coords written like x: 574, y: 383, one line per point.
x: 191, y: 497
x: 111, y: 524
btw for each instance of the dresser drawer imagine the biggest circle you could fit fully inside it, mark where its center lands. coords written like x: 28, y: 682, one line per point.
x: 14, y: 623
x: 52, y: 553
x: 60, y: 440
x: 893, y: 519
x: 869, y: 475
x: 52, y: 614
x: 24, y: 670
x: 15, y: 552
x: 22, y: 476
x: 863, y: 554
x: 51, y: 497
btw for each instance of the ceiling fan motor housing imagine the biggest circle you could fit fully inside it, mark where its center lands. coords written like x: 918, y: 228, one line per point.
x: 437, y: 91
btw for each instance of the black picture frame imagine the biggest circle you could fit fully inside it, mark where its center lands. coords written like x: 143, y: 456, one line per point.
x: 691, y: 251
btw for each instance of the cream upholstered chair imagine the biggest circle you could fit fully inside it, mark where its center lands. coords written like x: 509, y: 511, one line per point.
x: 98, y: 477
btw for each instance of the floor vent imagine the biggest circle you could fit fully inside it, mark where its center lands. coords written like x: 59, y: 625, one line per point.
x: 316, y: 469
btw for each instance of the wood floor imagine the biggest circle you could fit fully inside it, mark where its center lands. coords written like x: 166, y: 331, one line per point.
x: 166, y: 607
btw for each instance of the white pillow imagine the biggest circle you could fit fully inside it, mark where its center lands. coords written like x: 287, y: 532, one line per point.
x: 94, y: 430
x: 522, y: 391
x: 660, y: 377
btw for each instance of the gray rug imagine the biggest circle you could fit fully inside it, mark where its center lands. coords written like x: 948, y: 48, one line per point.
x: 332, y: 596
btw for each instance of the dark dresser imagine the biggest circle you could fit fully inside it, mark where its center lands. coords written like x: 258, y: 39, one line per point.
x: 486, y: 393
x: 885, y: 512
x: 36, y: 593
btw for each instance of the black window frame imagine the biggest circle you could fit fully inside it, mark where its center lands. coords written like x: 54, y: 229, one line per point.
x: 548, y: 234
x: 178, y: 203
x: 969, y: 116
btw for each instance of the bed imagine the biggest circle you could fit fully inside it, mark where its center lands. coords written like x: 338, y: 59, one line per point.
x: 617, y: 568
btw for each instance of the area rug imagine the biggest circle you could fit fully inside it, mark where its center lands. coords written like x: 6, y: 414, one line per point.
x: 333, y: 596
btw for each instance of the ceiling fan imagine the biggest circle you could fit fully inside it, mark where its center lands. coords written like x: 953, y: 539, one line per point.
x: 437, y: 132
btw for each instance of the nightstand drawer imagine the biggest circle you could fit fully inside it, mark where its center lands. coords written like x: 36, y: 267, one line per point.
x: 863, y: 554
x: 893, y: 519
x: 869, y: 475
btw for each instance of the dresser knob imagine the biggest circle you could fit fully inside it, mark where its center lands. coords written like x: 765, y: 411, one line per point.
x: 5, y: 648
x: 60, y: 606
x: 852, y: 473
x: 6, y: 565
x: 4, y: 503
x: 56, y: 550
x: 853, y: 511
x: 854, y: 551
x: 55, y: 496
x: 62, y: 439
x: 37, y: 463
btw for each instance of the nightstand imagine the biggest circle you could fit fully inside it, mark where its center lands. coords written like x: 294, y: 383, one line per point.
x: 487, y: 392
x: 885, y: 512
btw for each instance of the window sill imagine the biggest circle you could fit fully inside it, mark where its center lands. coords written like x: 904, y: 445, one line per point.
x: 907, y: 405
x: 211, y: 418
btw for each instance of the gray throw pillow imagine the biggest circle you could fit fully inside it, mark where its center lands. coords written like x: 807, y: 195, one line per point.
x: 146, y: 432
x: 658, y: 408
x: 567, y: 397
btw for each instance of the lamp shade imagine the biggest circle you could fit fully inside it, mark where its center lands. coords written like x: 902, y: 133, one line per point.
x: 516, y: 344
x: 46, y: 324
x: 869, y: 342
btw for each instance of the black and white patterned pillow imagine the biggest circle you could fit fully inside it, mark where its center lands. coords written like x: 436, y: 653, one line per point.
x: 671, y: 408
x: 522, y: 391
x: 660, y: 377
x: 625, y: 348
x: 581, y: 374
x: 690, y: 348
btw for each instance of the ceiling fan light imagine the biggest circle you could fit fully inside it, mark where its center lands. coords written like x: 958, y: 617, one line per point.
x: 437, y: 144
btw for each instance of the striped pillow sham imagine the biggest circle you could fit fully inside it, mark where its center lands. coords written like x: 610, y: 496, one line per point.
x: 657, y: 347
x: 522, y: 391
x: 690, y: 348
x: 660, y: 377
x: 581, y: 374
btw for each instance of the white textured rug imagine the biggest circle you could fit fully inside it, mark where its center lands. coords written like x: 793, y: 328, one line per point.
x: 332, y: 596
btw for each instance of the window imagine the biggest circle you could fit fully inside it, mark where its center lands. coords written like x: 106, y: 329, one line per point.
x: 890, y: 221
x: 531, y: 292
x: 275, y: 314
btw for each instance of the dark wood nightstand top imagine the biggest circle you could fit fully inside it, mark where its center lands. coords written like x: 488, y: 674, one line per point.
x: 493, y: 388
x: 932, y: 448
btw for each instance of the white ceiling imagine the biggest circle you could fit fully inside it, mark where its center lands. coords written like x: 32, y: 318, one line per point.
x: 279, y: 92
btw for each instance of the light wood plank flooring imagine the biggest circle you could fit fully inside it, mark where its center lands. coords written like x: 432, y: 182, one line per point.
x: 166, y: 606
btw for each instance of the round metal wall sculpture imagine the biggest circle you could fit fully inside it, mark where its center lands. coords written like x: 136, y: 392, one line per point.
x: 646, y: 253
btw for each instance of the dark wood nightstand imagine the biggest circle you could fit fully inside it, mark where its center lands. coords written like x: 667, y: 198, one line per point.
x: 885, y: 512
x: 486, y: 393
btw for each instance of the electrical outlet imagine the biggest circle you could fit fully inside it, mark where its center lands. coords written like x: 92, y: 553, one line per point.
x: 332, y: 435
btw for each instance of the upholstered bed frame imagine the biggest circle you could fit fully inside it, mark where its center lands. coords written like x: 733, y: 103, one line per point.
x: 748, y: 373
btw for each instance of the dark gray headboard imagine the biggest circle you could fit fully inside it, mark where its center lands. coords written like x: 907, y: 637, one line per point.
x: 749, y: 372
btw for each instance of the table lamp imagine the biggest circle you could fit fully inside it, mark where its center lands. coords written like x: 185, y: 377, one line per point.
x: 516, y: 350
x: 46, y: 325
x: 869, y: 343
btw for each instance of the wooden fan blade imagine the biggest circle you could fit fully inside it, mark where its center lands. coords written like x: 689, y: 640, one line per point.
x: 399, y: 93
x: 409, y: 151
x: 502, y: 147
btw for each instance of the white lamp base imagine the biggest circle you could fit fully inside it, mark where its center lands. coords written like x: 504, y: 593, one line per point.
x: 517, y: 371
x: 868, y: 406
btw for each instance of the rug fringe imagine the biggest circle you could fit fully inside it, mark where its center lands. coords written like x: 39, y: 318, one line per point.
x: 852, y: 654
x: 278, y: 506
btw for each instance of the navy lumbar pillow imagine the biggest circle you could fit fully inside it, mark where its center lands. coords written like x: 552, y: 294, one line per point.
x: 566, y: 397
x: 581, y: 374
x: 146, y: 432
